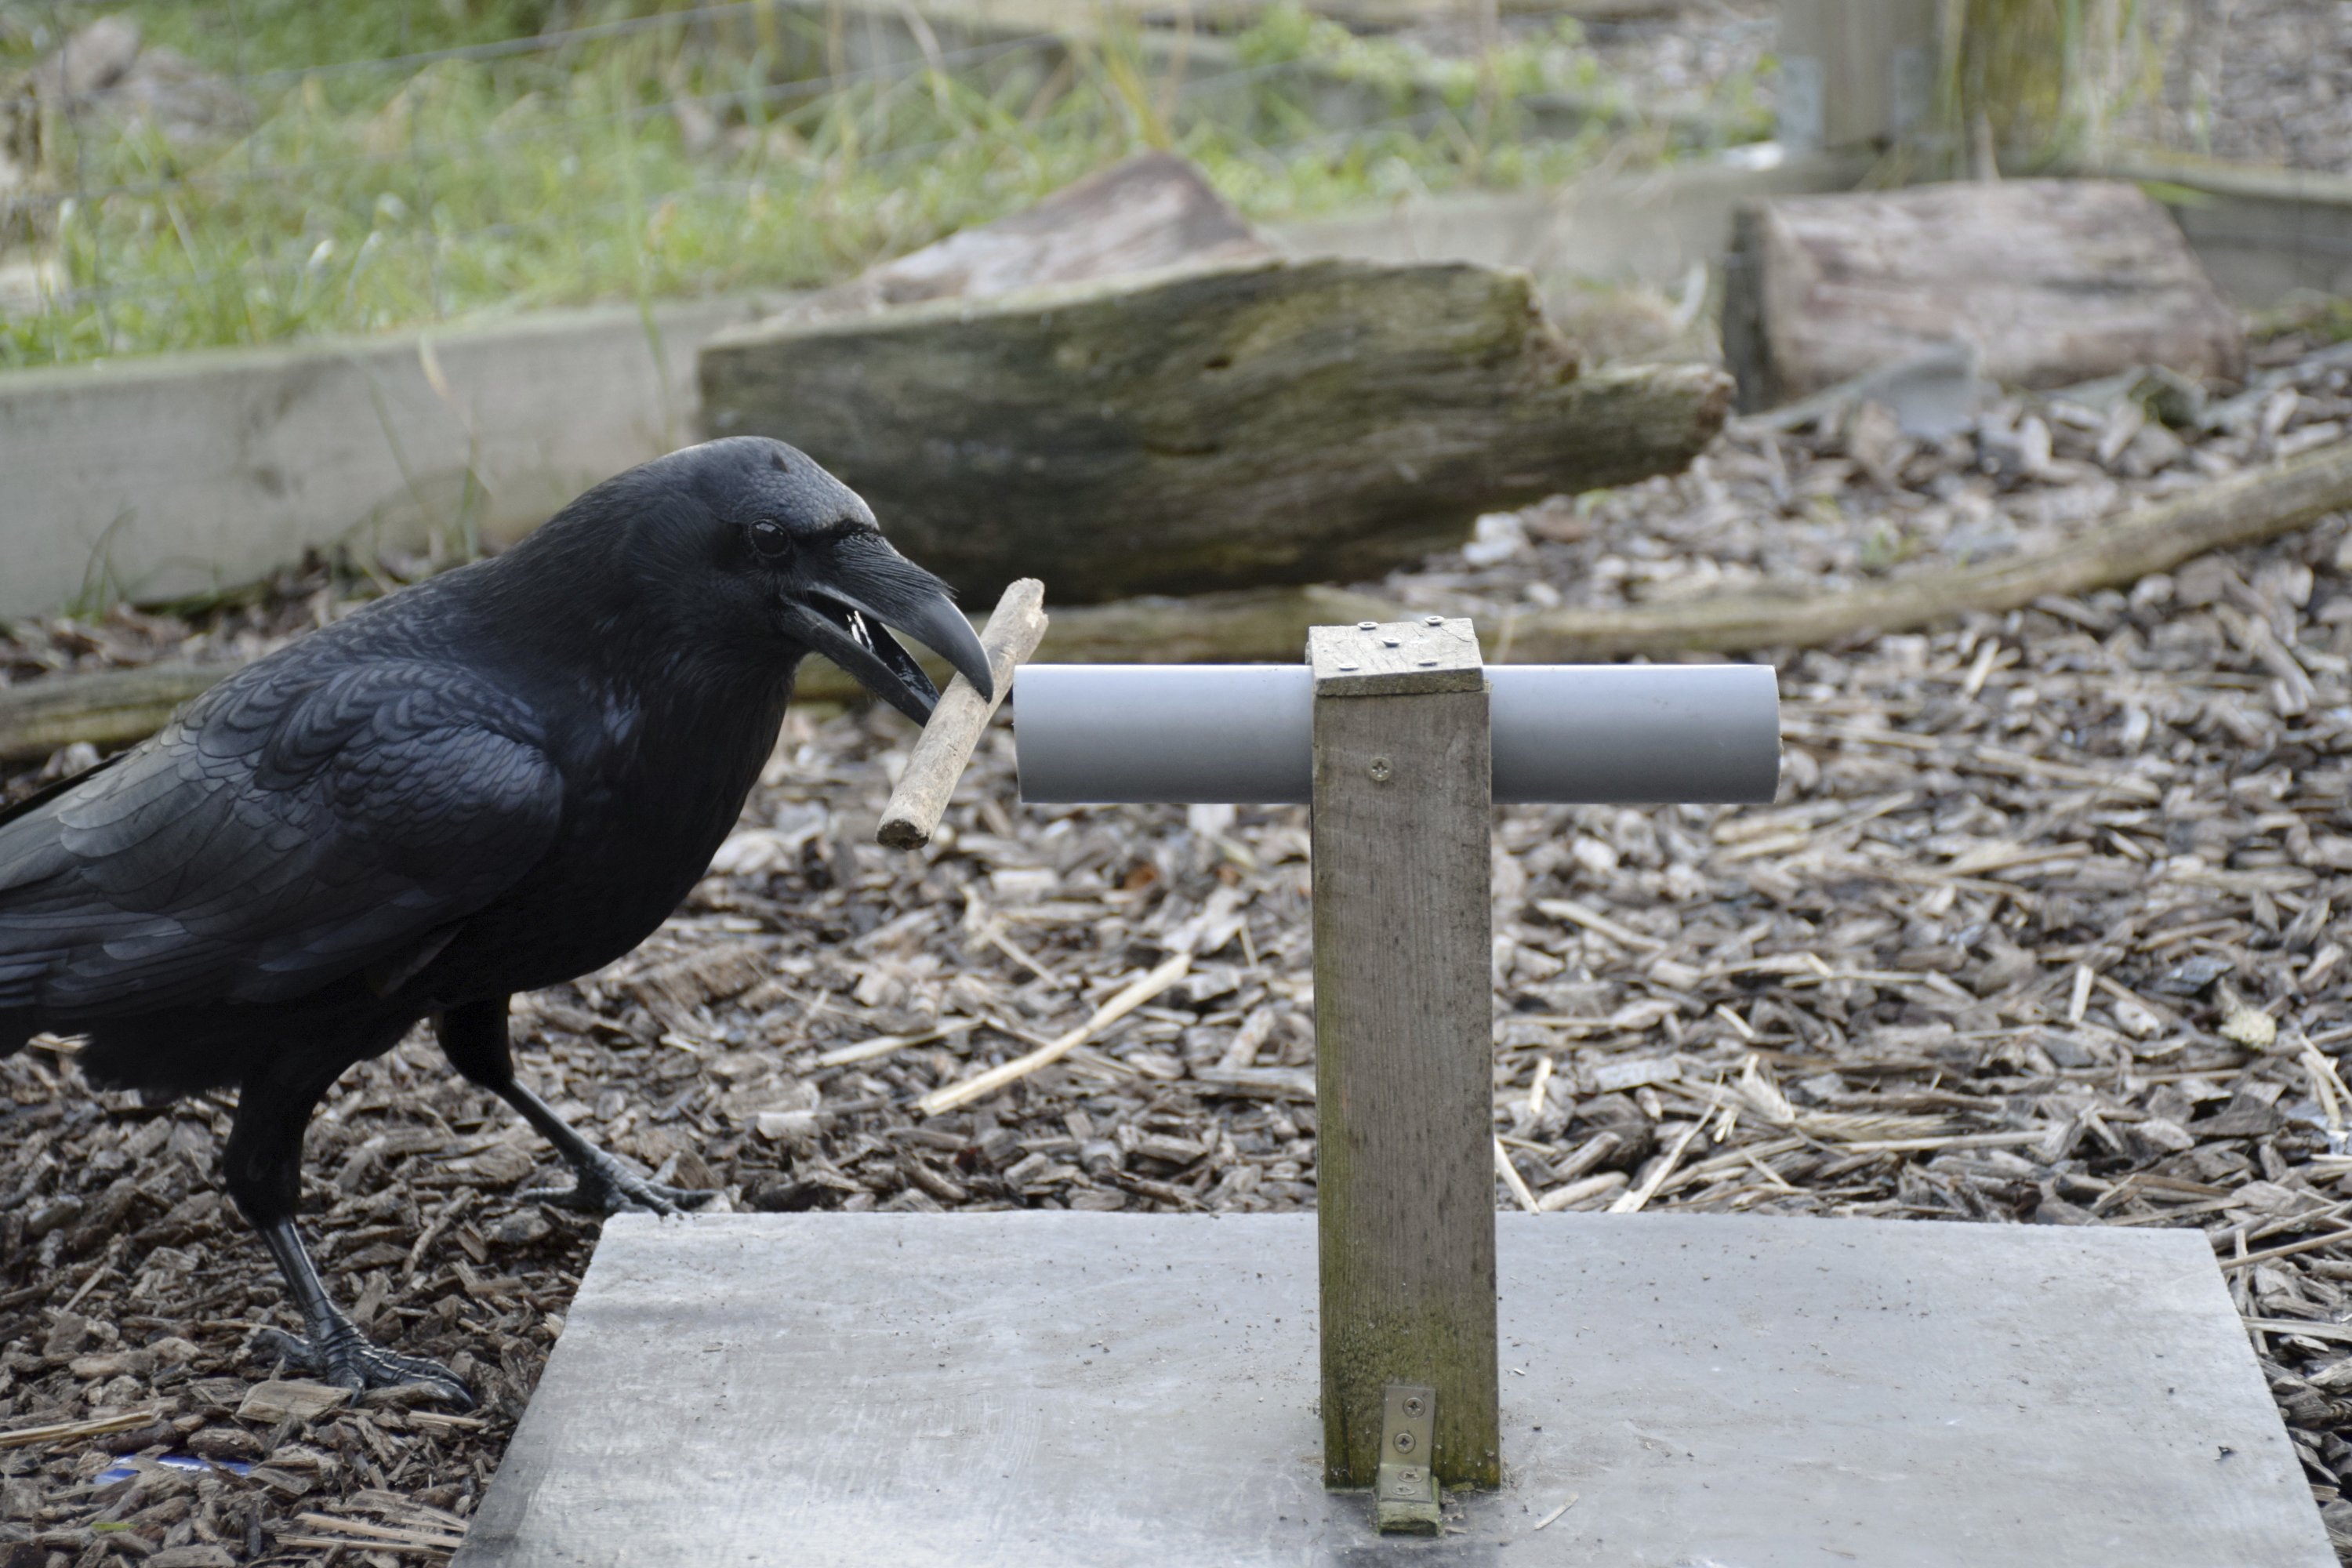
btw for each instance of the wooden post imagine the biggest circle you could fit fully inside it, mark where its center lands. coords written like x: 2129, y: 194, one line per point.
x: 1404, y: 1041
x: 1855, y: 73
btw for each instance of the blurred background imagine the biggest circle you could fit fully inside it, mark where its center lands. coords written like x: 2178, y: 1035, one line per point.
x: 1982, y: 366
x: 181, y: 174
x: 195, y: 173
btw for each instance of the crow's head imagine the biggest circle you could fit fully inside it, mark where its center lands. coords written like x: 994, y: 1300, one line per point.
x: 751, y: 544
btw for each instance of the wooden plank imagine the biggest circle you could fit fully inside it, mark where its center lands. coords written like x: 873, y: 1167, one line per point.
x: 1405, y: 1185
x: 2052, y: 282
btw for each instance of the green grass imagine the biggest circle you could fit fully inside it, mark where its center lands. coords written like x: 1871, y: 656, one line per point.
x: 363, y: 199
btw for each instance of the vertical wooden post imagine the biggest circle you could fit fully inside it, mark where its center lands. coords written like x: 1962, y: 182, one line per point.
x: 1404, y: 1041
x: 1855, y: 73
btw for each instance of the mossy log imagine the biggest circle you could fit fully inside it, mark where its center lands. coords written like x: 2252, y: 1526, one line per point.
x: 1211, y: 428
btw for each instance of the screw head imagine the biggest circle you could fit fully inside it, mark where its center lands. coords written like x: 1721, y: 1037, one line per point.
x: 1366, y: 625
x: 1412, y: 1405
x: 1381, y: 770
x: 1404, y: 1442
x: 1409, y: 1478
x: 1433, y: 620
x: 1388, y: 642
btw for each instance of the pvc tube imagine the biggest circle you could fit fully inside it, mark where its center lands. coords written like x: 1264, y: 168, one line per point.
x: 1566, y: 733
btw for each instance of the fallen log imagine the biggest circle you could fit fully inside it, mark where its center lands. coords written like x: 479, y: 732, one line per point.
x: 1209, y: 428
x: 2051, y: 281
x: 1271, y: 623
x: 111, y: 709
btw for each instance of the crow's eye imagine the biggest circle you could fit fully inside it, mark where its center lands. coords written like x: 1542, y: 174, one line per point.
x: 773, y: 540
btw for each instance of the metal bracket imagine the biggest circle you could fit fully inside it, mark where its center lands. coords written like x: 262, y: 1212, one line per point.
x: 1404, y: 1494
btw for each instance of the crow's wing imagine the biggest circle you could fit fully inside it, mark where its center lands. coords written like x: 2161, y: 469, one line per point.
x: 290, y: 828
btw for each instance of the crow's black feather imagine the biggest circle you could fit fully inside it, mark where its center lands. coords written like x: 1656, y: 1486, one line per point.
x: 492, y: 782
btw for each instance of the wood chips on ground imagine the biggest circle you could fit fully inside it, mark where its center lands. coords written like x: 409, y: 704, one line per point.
x: 2049, y: 925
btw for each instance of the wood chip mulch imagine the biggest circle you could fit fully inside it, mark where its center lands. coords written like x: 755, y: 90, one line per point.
x: 2048, y: 926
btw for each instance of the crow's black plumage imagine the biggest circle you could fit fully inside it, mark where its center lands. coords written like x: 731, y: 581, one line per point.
x: 495, y: 781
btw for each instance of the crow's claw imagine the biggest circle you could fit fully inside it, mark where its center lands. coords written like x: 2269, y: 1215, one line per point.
x: 348, y: 1359
x: 605, y: 1187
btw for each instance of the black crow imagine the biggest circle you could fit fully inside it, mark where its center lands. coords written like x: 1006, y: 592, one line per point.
x: 491, y: 781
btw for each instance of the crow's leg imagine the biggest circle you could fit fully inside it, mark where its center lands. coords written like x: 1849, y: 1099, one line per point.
x: 474, y: 1037
x: 264, y: 1177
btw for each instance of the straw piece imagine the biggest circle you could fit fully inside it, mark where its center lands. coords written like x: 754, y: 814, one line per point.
x: 1631, y: 1202
x: 883, y: 1045
x: 956, y: 1094
x: 945, y: 747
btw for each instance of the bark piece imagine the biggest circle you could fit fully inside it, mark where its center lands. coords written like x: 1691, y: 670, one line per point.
x: 2053, y: 281
x: 1216, y: 428
x: 290, y: 1400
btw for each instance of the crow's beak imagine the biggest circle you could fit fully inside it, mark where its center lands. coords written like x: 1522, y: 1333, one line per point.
x: 855, y: 599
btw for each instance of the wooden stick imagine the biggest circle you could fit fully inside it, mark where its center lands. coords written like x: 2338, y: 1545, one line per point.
x: 2309, y: 1244
x: 1631, y: 1202
x: 65, y: 1431
x: 944, y: 749
x: 1109, y: 1013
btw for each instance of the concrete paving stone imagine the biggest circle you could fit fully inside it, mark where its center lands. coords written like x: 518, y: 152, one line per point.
x: 1117, y: 1391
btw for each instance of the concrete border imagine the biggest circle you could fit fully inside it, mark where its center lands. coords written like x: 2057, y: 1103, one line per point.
x: 2265, y: 233
x: 155, y: 478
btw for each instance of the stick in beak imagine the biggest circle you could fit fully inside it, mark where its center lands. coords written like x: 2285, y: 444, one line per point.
x: 945, y: 747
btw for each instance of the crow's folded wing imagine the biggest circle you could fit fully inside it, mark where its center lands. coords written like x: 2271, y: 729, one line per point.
x: 290, y: 828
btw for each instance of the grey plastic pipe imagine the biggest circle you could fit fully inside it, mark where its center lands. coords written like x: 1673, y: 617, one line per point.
x: 1567, y: 733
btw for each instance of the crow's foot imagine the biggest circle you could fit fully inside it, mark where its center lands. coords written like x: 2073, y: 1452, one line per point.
x: 605, y: 1187
x: 348, y: 1359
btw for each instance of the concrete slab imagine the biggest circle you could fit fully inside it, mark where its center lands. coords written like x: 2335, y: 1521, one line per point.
x: 1118, y: 1390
